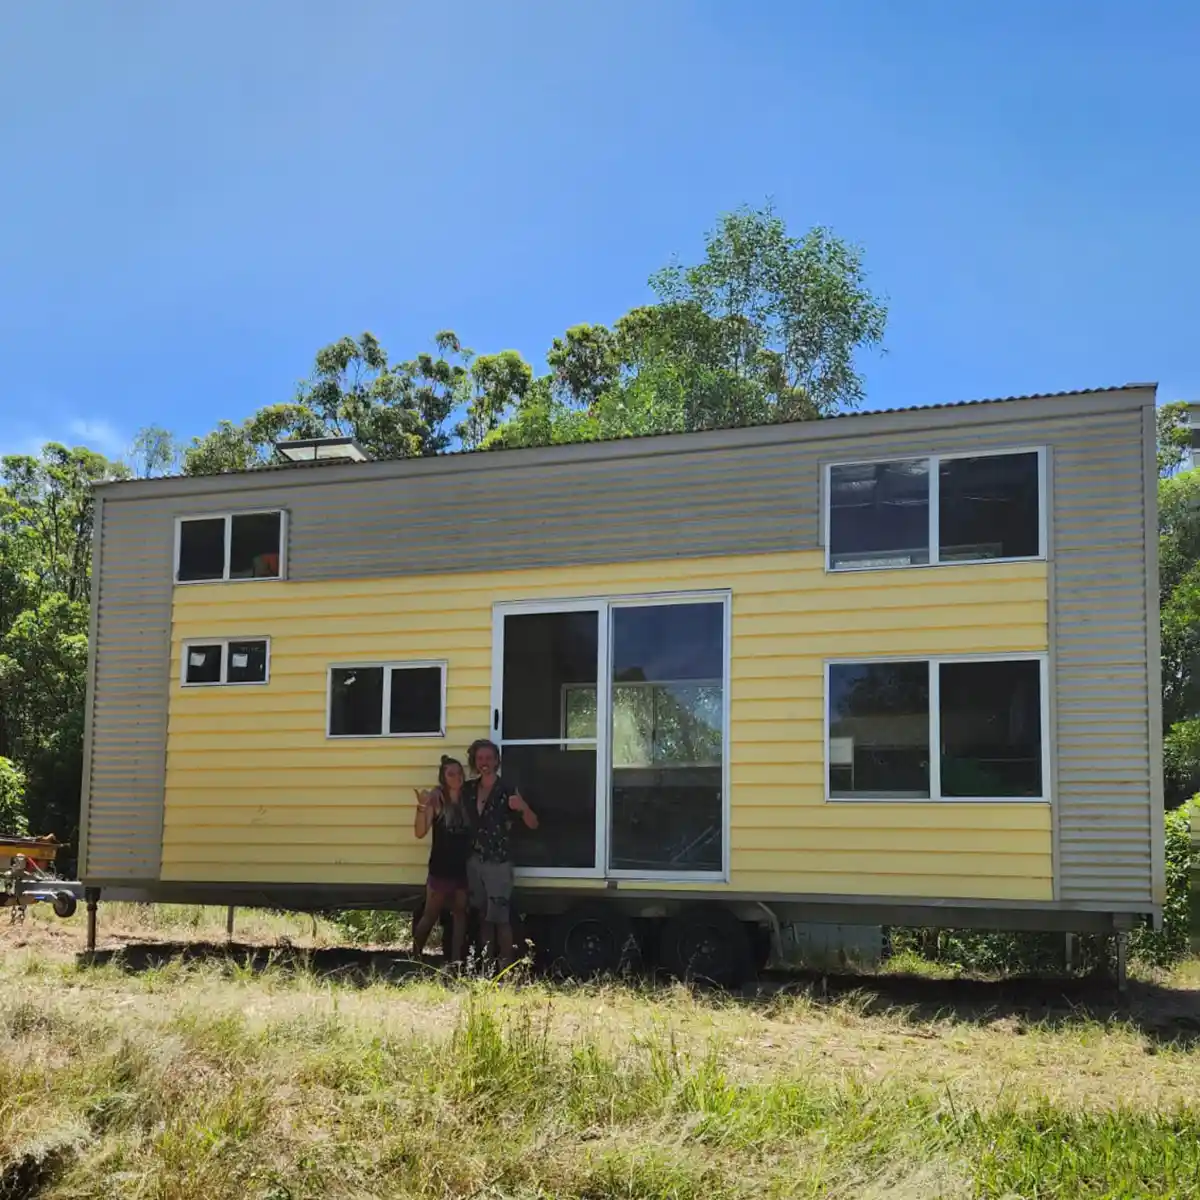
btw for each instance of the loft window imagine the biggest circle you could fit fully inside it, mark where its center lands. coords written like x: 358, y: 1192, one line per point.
x: 879, y: 514
x: 387, y: 700
x: 226, y: 661
x: 937, y: 729
x: 230, y: 546
x: 935, y: 509
x: 988, y: 507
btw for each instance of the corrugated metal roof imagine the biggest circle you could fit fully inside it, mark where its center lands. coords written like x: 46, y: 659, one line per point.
x: 845, y: 416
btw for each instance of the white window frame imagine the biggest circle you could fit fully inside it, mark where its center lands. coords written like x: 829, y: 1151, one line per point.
x: 227, y: 516
x: 933, y: 468
x: 605, y: 606
x: 224, y: 681
x: 934, y: 664
x: 411, y: 664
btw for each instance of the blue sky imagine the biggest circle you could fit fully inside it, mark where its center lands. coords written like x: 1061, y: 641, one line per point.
x: 198, y: 196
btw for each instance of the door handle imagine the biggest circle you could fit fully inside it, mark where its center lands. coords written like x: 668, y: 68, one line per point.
x: 495, y: 720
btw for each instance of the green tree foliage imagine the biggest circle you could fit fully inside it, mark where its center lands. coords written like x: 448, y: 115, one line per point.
x: 393, y: 410
x: 1179, y: 599
x: 13, y: 819
x: 1174, y: 437
x: 153, y: 452
x: 46, y: 513
x: 765, y: 328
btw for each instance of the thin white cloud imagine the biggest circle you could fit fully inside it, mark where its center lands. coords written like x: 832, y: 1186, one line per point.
x: 95, y: 433
x: 98, y: 434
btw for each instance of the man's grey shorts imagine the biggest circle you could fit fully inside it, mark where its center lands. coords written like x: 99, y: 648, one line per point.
x: 491, y: 888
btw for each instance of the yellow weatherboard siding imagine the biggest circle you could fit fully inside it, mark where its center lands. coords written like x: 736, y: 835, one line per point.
x: 256, y: 792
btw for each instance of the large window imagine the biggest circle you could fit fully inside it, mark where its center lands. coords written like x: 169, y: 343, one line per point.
x: 936, y: 509
x: 247, y: 545
x: 225, y: 661
x: 611, y: 718
x: 942, y: 729
x: 387, y: 700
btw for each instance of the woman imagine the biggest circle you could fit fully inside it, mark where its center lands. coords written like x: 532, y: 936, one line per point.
x: 442, y: 811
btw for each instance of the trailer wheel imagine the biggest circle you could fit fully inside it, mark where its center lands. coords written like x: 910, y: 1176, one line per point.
x: 64, y: 904
x: 707, y: 942
x: 760, y: 945
x: 594, y: 939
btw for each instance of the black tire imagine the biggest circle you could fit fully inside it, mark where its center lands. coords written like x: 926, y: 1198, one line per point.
x: 707, y: 943
x: 594, y: 939
x: 759, y: 937
x: 534, y: 938
x: 64, y: 905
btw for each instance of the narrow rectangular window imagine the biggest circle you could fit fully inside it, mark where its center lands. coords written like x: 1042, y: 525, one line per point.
x: 991, y: 718
x: 416, y: 702
x: 228, y: 661
x: 989, y: 507
x: 879, y: 514
x: 387, y: 700
x: 879, y: 731
x: 230, y: 546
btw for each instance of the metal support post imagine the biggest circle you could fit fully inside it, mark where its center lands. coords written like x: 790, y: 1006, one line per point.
x: 229, y: 924
x: 92, y: 896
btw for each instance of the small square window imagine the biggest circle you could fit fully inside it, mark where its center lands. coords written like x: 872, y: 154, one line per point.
x: 202, y: 664
x: 247, y: 662
x: 356, y: 702
x: 879, y: 514
x: 202, y: 549
x: 416, y: 701
x: 234, y: 546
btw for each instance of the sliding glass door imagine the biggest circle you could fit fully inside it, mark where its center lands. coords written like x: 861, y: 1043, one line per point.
x: 543, y: 655
x: 668, y: 738
x: 612, y: 718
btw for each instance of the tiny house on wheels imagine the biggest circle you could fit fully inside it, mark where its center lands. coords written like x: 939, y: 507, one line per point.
x: 889, y: 668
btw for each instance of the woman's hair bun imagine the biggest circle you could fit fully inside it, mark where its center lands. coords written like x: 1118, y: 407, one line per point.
x: 445, y: 759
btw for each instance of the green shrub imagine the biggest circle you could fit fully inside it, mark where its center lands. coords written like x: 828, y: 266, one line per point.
x: 373, y: 926
x: 13, y: 819
x: 1168, y: 945
x: 1024, y: 953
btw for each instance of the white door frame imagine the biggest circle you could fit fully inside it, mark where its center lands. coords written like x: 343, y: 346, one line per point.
x: 603, y: 606
x: 503, y: 609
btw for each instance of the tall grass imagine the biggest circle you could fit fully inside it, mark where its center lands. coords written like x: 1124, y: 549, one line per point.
x: 211, y: 1083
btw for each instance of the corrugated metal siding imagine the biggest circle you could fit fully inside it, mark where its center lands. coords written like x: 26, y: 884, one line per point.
x: 1100, y: 636
x: 129, y: 719
x: 742, y: 499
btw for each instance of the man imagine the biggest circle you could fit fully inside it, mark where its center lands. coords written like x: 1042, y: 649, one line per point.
x: 493, y: 808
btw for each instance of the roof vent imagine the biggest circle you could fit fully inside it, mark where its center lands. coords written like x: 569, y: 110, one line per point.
x: 330, y: 449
